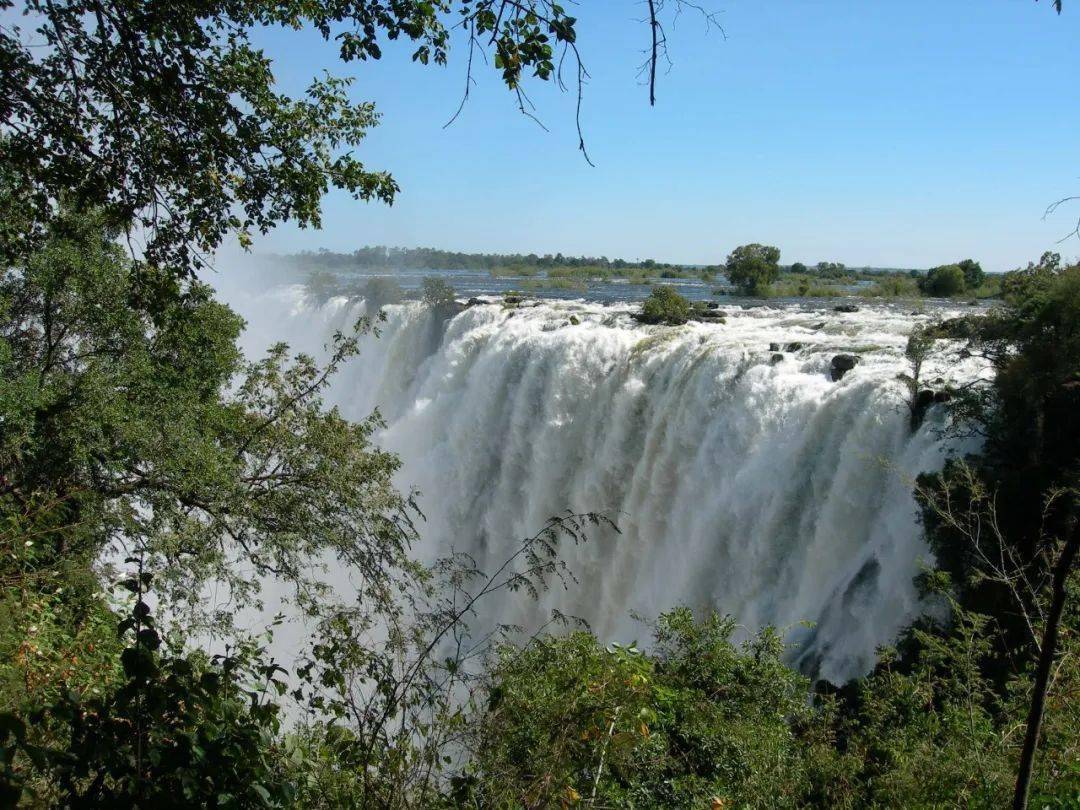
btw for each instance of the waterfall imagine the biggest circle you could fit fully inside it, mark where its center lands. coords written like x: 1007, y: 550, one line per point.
x: 741, y: 481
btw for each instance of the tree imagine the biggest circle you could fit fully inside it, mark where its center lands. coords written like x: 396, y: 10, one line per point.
x: 381, y: 291
x: 973, y: 273
x: 944, y: 281
x: 131, y: 420
x: 752, y: 268
x: 165, y: 117
x: 797, y: 267
x: 830, y: 269
x: 1003, y: 523
x: 437, y: 293
x: 569, y: 720
x: 176, y: 730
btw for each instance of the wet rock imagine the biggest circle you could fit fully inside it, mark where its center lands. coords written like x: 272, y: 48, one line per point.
x: 942, y: 396
x: 513, y: 299
x: 841, y: 365
x: 845, y: 308
x: 474, y: 302
x: 712, y: 305
x: 777, y: 358
x: 793, y: 347
x: 924, y: 399
x: 818, y: 325
x: 575, y: 320
x: 708, y: 316
x: 774, y: 347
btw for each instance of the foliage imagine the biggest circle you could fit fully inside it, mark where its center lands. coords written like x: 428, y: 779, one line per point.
x: 973, y: 273
x: 892, y: 287
x: 833, y: 270
x: 664, y: 305
x: 175, y: 731
x: 944, y: 281
x: 132, y: 421
x: 524, y: 264
x: 804, y: 285
x: 380, y: 291
x: 697, y: 721
x: 752, y: 268
x: 1003, y: 523
x: 166, y: 117
x: 438, y: 294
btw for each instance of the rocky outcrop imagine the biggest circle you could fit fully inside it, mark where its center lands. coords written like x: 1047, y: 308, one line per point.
x: 845, y: 308
x: 708, y: 316
x: 841, y: 365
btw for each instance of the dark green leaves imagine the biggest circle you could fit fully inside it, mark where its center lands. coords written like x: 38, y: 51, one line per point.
x: 164, y: 117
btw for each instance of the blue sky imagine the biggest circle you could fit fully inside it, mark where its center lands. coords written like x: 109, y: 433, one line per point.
x: 885, y: 133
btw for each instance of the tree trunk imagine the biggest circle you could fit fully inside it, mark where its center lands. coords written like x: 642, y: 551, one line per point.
x: 1042, y: 675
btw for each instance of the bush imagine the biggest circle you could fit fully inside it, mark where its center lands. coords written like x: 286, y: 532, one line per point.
x: 437, y: 294
x: 752, y: 268
x: 380, y: 291
x: 698, y: 720
x: 944, y: 281
x: 664, y: 305
x: 896, y: 286
x: 177, y: 731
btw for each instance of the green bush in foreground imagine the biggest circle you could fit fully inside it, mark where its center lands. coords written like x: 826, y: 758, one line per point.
x: 697, y: 720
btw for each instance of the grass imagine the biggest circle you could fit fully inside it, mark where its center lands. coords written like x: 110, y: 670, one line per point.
x: 799, y: 285
x: 892, y: 287
x: 534, y: 284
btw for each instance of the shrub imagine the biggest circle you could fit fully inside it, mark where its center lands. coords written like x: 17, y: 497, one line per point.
x: 892, y: 287
x: 697, y: 721
x: 944, y: 281
x: 380, y: 291
x: 437, y: 294
x: 664, y: 305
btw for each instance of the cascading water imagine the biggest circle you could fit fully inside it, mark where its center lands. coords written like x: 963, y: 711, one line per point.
x: 740, y: 481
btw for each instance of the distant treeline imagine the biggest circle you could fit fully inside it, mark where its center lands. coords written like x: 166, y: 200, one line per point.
x: 434, y: 259
x: 382, y: 257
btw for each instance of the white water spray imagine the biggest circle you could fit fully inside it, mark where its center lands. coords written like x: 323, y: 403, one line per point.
x: 758, y: 487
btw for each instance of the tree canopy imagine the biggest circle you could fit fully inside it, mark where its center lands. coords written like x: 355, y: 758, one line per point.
x: 752, y: 268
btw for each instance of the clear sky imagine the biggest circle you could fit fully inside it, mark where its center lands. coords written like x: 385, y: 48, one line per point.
x: 885, y: 133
